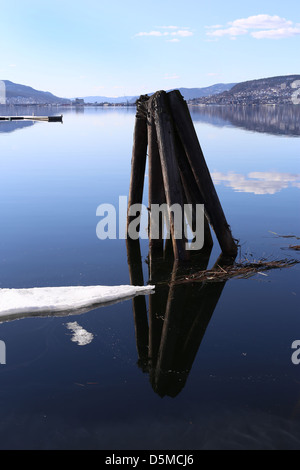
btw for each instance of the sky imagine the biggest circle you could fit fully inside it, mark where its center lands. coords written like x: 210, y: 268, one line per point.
x: 124, y: 48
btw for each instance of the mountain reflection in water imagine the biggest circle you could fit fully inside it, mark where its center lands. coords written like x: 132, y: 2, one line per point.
x: 275, y: 120
x: 12, y: 126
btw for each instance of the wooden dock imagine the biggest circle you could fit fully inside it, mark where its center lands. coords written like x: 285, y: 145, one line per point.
x: 33, y: 118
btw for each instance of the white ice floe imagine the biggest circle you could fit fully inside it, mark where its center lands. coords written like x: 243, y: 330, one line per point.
x: 80, y: 335
x: 18, y: 303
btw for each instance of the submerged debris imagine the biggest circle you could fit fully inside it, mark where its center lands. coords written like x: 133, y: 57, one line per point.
x: 291, y: 247
x: 285, y: 236
x: 241, y: 270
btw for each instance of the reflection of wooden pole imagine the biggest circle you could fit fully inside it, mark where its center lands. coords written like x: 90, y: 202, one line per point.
x: 158, y: 271
x: 138, y: 303
x: 204, y: 306
x: 206, y: 301
x: 185, y: 128
x: 138, y: 161
x: 210, y: 293
x: 170, y: 172
x: 169, y: 337
x: 168, y: 249
x: 188, y: 313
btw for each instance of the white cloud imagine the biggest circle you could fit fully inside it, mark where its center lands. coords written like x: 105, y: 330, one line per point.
x: 214, y: 26
x: 172, y: 27
x: 171, y: 77
x: 265, y: 26
x: 262, y: 22
x: 151, y: 33
x: 232, y: 31
x: 276, y: 33
x: 173, y: 32
x: 168, y: 27
x: 182, y: 33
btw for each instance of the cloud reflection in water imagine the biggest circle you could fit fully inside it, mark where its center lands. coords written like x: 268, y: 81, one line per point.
x: 257, y: 182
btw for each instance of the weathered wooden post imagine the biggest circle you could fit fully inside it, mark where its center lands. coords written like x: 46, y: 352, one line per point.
x: 170, y: 172
x: 186, y: 131
x: 139, y: 156
x: 178, y: 174
x: 156, y: 191
x: 192, y: 193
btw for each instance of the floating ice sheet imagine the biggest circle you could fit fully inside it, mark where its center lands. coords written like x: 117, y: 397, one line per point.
x: 80, y: 335
x: 42, y: 301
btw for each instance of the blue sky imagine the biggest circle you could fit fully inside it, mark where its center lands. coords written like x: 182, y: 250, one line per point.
x: 117, y: 48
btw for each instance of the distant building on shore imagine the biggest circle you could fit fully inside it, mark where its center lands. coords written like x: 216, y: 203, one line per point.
x: 78, y: 102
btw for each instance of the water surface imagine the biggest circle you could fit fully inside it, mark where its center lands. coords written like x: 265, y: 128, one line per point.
x: 207, y: 367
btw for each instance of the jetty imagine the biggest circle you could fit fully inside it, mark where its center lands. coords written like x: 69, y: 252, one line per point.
x: 33, y: 118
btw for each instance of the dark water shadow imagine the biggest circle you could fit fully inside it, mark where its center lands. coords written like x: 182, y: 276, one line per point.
x: 169, y: 335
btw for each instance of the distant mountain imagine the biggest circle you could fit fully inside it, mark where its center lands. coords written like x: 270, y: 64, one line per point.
x: 192, y: 93
x: 107, y: 99
x: 22, y: 94
x: 273, y: 90
x: 187, y: 93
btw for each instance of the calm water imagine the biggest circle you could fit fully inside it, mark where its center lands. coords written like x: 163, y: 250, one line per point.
x: 225, y: 378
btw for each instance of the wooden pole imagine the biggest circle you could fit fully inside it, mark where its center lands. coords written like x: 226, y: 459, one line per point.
x: 156, y: 192
x: 191, y: 190
x: 170, y: 171
x: 185, y: 128
x: 139, y: 156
